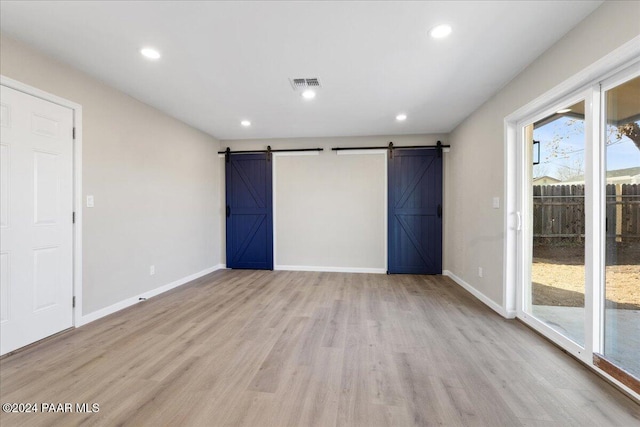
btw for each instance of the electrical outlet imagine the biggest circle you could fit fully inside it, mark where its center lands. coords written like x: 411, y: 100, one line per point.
x: 480, y: 272
x: 152, y: 270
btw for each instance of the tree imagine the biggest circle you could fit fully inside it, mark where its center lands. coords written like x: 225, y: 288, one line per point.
x: 568, y: 162
x: 560, y: 155
x: 573, y: 170
x: 631, y: 131
x: 540, y: 170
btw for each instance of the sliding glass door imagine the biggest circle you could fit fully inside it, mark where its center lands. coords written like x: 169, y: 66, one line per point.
x: 579, y: 224
x: 555, y: 293
x: 622, y: 256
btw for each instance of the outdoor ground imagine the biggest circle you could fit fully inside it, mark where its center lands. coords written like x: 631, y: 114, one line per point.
x: 558, y: 276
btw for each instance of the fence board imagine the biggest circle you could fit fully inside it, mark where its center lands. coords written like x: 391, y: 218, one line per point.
x: 559, y: 213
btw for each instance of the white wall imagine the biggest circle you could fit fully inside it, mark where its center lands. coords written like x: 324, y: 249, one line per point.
x: 159, y: 192
x: 475, y: 231
x: 154, y: 179
x: 330, y: 209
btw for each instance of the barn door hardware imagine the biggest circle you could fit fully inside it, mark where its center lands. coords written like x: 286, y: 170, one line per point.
x: 268, y: 151
x: 227, y: 154
x: 439, y: 146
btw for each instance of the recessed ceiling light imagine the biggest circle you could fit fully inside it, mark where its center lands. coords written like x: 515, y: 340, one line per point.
x: 564, y: 110
x: 245, y: 123
x: 309, y: 94
x: 401, y: 117
x: 440, y: 31
x: 150, y: 53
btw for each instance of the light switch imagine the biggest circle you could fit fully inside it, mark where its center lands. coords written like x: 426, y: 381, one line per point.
x: 496, y: 203
x: 89, y: 201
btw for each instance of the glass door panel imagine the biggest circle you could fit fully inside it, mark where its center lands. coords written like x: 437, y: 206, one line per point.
x: 622, y: 265
x: 557, y: 218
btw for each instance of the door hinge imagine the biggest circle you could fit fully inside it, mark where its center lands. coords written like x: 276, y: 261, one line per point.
x: 73, y: 133
x: 73, y: 218
x: 73, y: 302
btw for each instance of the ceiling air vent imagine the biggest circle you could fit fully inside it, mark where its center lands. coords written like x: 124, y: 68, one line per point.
x: 302, y: 84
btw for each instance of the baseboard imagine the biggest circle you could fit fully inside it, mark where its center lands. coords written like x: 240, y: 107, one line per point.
x: 88, y: 318
x: 330, y: 269
x: 482, y: 297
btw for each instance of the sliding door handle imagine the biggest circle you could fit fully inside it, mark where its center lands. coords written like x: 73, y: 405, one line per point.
x: 228, y: 211
x: 439, y: 211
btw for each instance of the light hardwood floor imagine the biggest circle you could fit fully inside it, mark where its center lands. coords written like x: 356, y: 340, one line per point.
x: 258, y: 348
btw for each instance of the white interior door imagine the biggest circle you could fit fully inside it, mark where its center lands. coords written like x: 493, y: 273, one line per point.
x: 36, y: 194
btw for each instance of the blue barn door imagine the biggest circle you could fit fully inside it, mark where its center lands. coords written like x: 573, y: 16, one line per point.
x: 249, y: 211
x: 415, y: 211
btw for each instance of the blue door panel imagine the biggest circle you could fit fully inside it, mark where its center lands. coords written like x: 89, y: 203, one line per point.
x: 249, y: 212
x: 415, y: 215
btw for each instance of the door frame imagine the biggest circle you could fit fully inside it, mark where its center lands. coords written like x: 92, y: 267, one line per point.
x: 77, y: 183
x: 274, y: 157
x: 524, y: 206
x: 586, y: 80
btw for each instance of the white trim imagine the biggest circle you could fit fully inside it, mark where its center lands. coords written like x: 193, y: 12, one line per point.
x: 511, y: 222
x: 592, y: 210
x: 330, y: 269
x: 78, y: 252
x: 273, y: 190
x: 384, y: 152
x: 273, y: 210
x: 296, y: 153
x: 77, y: 181
x: 508, y: 314
x: 386, y: 212
x: 354, y: 152
x: 551, y: 334
x: 333, y: 269
x: 146, y: 295
x: 38, y: 93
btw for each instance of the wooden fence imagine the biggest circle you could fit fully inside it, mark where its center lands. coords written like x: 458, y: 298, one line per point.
x: 559, y: 213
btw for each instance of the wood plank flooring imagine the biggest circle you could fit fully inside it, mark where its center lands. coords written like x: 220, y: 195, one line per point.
x: 262, y: 348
